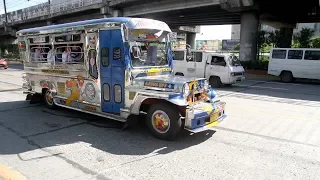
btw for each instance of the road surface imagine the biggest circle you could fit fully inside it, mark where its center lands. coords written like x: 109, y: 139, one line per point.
x: 272, y: 132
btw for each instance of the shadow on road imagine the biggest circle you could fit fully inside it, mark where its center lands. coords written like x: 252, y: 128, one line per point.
x: 44, y: 128
x: 293, y: 93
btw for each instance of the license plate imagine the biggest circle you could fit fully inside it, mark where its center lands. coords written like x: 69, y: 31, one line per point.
x: 239, y: 79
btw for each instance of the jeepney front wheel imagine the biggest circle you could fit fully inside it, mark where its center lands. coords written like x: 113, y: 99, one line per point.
x: 163, y: 121
x: 48, y: 99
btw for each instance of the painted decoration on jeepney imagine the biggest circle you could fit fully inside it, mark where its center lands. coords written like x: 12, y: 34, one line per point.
x: 22, y: 45
x: 92, y: 39
x: 142, y: 34
x: 61, y: 87
x: 93, y: 70
x: 55, y: 71
x: 159, y: 85
x: 90, y: 91
x: 116, y: 53
x: 74, y: 87
x: 150, y: 72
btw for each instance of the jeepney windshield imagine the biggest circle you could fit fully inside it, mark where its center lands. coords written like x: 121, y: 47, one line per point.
x: 148, y: 54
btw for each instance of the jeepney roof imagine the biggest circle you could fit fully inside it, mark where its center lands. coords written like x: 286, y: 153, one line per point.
x: 131, y: 23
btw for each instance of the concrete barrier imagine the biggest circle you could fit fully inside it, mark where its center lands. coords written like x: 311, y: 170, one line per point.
x: 15, y: 61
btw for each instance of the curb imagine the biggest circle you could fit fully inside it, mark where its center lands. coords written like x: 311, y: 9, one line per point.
x: 14, y: 61
x: 264, y: 77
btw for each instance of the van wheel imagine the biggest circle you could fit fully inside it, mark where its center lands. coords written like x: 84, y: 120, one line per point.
x: 215, y: 82
x: 286, y: 76
x: 163, y: 121
x: 179, y: 74
x: 48, y: 99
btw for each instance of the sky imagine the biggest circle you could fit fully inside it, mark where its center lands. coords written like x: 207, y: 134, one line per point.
x: 206, y: 32
x: 214, y: 32
x: 13, y: 5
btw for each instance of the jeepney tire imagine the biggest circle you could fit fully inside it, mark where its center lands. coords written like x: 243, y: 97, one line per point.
x: 174, y: 120
x: 47, y: 104
x: 215, y: 81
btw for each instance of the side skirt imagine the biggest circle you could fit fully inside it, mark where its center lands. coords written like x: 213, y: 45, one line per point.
x: 105, y: 115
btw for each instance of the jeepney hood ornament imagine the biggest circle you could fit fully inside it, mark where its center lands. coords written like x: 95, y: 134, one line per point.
x: 168, y: 82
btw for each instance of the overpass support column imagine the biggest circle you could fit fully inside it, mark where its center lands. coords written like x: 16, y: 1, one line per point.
x: 286, y: 37
x: 248, y: 35
x: 117, y: 13
x: 191, y: 39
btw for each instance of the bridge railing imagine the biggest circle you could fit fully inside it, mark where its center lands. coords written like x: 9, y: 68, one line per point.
x: 44, y: 9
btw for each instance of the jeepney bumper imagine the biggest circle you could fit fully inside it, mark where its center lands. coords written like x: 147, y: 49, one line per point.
x: 204, y: 116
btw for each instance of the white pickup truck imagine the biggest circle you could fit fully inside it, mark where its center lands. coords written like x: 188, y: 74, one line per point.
x: 219, y: 69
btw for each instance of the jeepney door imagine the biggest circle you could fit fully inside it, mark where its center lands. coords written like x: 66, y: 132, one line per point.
x: 111, y: 70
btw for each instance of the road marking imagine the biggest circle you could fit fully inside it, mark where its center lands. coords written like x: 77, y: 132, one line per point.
x: 6, y: 88
x: 262, y: 87
x: 272, y: 82
x: 7, y: 173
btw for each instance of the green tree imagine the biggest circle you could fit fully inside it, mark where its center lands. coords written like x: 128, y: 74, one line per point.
x: 236, y: 47
x: 303, y: 38
x: 262, y: 42
x: 315, y: 42
x: 273, y: 38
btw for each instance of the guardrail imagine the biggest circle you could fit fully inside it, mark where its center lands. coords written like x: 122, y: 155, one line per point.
x: 44, y: 9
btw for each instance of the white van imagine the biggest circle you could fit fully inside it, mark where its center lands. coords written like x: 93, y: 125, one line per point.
x: 290, y: 63
x: 219, y: 69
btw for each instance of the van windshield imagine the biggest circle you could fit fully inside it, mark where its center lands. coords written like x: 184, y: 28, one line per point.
x: 148, y: 54
x: 234, y: 60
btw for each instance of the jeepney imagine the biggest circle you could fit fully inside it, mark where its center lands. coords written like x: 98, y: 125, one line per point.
x: 115, y: 68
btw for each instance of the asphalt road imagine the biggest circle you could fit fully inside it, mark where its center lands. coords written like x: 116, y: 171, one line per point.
x: 272, y: 132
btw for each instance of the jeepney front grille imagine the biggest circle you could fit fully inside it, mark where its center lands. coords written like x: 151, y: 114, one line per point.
x: 198, y: 97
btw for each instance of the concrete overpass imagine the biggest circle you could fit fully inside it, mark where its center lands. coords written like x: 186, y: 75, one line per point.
x: 249, y: 13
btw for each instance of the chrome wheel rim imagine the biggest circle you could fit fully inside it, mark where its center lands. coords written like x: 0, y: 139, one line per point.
x: 160, y: 121
x: 49, y: 98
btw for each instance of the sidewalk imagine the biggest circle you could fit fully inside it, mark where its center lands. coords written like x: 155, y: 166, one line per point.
x: 259, y: 74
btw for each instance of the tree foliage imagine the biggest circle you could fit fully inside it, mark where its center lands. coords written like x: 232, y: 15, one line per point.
x: 315, y: 43
x: 303, y: 38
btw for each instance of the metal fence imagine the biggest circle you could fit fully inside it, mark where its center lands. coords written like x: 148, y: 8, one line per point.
x: 45, y: 9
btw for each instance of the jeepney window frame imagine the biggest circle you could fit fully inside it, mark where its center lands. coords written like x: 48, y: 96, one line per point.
x: 30, y: 46
x: 66, y: 44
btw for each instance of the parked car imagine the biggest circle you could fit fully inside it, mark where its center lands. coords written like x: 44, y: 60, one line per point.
x: 3, y: 63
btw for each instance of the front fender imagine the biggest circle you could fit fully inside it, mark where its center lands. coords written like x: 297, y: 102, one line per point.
x: 141, y: 97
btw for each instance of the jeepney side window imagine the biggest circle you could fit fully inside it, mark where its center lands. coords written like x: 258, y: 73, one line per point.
x: 40, y: 49
x: 69, y: 49
x: 105, y: 57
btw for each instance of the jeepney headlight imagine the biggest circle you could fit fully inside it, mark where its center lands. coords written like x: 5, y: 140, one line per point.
x: 185, y: 90
x: 206, y: 85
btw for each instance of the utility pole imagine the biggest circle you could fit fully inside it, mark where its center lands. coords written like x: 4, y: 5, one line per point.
x: 5, y: 10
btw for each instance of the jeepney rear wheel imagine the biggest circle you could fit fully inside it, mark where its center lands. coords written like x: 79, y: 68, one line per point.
x: 48, y: 99
x: 163, y: 121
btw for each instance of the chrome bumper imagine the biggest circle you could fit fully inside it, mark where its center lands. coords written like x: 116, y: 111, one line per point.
x: 204, y: 116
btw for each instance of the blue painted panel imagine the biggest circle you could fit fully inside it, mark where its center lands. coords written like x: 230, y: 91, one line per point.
x: 118, y: 67
x: 105, y: 70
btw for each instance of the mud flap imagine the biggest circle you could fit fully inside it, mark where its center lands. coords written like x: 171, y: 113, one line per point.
x: 131, y: 121
x: 35, y: 98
